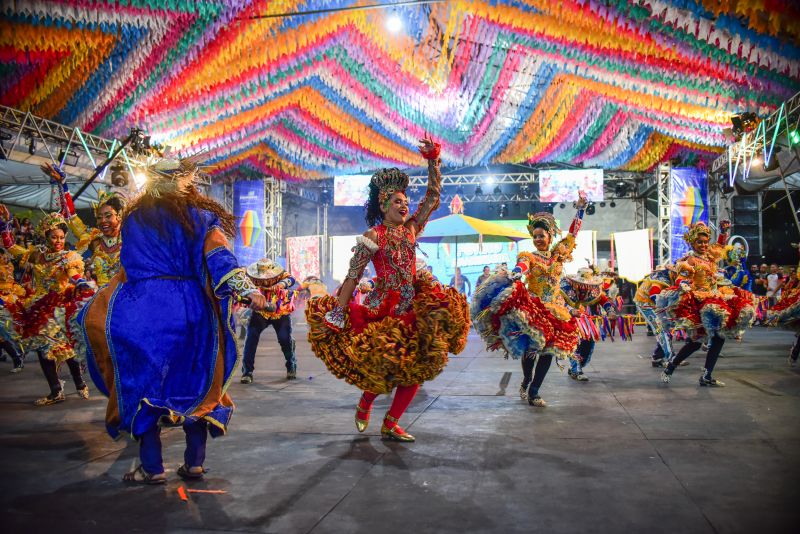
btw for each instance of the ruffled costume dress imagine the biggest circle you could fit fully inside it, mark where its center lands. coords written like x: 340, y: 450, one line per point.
x: 645, y: 299
x: 529, y: 318
x: 101, y: 253
x: 159, y: 338
x: 711, y: 305
x: 41, y: 319
x: 402, y: 334
x: 786, y: 312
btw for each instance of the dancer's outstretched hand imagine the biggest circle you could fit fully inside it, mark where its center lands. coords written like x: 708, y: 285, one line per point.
x: 582, y: 201
x: 53, y: 172
x: 429, y: 149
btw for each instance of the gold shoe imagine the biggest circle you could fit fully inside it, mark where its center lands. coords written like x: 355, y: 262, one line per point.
x: 361, y: 424
x: 395, y: 433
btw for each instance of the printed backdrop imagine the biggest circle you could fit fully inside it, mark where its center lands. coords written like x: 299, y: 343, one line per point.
x: 248, y: 208
x: 303, y: 254
x: 689, y: 205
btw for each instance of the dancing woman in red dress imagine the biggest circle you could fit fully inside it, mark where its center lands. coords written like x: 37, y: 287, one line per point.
x: 400, y: 337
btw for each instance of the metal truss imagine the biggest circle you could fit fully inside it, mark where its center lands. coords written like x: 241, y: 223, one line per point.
x: 273, y: 216
x: 640, y: 212
x: 664, y: 235
x: 476, y: 179
x: 752, y: 142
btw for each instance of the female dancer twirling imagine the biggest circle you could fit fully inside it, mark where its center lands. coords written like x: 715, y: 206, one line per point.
x: 414, y: 315
x: 701, y: 305
x: 531, y: 323
x: 786, y: 312
x: 58, y: 286
x: 101, y: 244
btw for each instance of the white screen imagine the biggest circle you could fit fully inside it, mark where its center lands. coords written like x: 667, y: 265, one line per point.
x: 563, y: 185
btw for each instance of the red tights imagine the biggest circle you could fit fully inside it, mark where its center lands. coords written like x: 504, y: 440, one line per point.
x: 402, y: 398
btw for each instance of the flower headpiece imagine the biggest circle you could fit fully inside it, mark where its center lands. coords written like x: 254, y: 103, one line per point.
x: 389, y: 182
x: 103, y: 197
x: 695, y: 231
x: 543, y: 218
x: 50, y: 221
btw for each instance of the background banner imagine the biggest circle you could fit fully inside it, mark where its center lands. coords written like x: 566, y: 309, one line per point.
x: 248, y: 208
x: 689, y: 205
x: 633, y: 254
x: 303, y: 255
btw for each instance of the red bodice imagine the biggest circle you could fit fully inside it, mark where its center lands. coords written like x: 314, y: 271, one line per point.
x: 395, y: 267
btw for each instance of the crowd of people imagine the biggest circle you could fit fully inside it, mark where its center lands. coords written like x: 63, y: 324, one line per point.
x: 384, y: 333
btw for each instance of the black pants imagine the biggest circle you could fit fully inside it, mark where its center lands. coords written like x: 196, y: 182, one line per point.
x: 533, y: 379
x: 50, y: 370
x: 15, y: 352
x: 796, y: 348
x: 714, y: 348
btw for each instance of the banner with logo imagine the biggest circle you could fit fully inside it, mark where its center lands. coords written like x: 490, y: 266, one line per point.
x: 303, y: 255
x: 248, y: 208
x: 689, y: 191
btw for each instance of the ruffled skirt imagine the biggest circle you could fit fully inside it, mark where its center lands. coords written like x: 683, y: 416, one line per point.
x: 44, y: 323
x: 727, y: 312
x: 787, y: 311
x: 508, y: 317
x: 378, y: 351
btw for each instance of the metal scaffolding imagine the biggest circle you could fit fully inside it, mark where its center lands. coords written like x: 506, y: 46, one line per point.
x: 664, y: 232
x: 273, y: 216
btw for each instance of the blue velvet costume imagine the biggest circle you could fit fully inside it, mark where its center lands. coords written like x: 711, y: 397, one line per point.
x: 160, y: 337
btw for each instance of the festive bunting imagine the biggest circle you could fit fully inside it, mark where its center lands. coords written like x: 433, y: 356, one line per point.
x: 613, y: 84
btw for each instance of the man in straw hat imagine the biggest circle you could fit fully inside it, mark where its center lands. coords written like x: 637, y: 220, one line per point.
x: 274, y: 283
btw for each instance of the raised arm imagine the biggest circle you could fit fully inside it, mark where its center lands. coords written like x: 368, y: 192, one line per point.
x: 84, y: 235
x: 430, y: 151
x: 717, y: 250
x: 366, y: 247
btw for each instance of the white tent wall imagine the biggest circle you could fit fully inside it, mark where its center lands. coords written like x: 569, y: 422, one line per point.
x: 24, y: 185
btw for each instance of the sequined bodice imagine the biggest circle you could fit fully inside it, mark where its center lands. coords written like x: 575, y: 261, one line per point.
x: 544, y: 275
x: 395, y: 266
x: 105, y: 262
x: 705, y: 269
x: 52, y: 271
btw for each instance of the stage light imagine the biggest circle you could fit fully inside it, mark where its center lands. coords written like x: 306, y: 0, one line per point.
x: 489, y: 180
x: 119, y: 177
x: 794, y: 137
x: 562, y: 205
x: 503, y: 211
x: 602, y: 204
x: 613, y: 204
x: 139, y: 179
x: 70, y: 158
x: 590, y: 209
x: 31, y: 146
x: 394, y: 24
x: 497, y: 190
x: 755, y: 162
x: 478, y: 191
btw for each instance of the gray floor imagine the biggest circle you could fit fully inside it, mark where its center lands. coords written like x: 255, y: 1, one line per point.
x: 621, y: 453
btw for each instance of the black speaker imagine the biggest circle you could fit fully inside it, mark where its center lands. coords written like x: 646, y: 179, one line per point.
x: 745, y: 220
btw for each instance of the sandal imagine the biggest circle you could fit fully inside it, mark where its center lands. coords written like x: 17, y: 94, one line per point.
x: 186, y: 473
x: 140, y: 476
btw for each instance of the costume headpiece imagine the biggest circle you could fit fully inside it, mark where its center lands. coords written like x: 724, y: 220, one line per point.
x: 50, y: 222
x: 103, y: 197
x: 388, y: 182
x: 695, y: 231
x: 264, y: 269
x: 171, y: 175
x: 544, y: 219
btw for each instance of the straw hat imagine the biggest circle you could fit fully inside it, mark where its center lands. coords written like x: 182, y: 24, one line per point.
x: 264, y: 269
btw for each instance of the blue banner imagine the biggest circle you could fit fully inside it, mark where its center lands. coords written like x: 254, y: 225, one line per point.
x: 248, y: 208
x: 689, y: 191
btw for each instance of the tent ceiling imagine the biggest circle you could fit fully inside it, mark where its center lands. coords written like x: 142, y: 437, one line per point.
x: 614, y: 84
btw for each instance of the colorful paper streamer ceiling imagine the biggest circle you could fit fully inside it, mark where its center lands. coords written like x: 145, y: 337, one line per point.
x: 612, y: 84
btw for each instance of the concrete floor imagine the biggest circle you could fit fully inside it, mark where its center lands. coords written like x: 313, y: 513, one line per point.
x: 621, y: 453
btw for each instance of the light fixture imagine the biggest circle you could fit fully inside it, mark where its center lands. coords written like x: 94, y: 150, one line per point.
x: 755, y: 162
x: 119, y: 177
x: 32, y: 146
x: 612, y: 204
x: 794, y: 137
x: 503, y: 211
x: 478, y: 191
x: 69, y: 158
x: 394, y: 24
x: 590, y: 209
x: 497, y: 190
x: 602, y: 204
x: 139, y: 179
x: 562, y: 206
x: 489, y: 180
